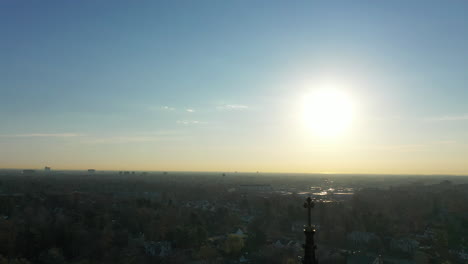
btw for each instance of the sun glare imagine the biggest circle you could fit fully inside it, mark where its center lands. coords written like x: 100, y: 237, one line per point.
x: 328, y: 112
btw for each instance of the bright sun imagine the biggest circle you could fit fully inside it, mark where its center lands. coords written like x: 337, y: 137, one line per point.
x: 328, y: 112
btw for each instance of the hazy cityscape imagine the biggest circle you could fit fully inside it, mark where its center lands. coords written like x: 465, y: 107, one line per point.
x: 233, y: 132
x: 49, y: 216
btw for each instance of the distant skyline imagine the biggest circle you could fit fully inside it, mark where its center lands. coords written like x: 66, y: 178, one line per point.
x: 220, y: 85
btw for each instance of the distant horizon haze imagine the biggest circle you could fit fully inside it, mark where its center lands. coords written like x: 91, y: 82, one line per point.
x: 228, y: 172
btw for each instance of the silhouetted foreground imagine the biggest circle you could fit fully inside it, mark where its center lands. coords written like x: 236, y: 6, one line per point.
x: 237, y: 218
x: 309, y: 232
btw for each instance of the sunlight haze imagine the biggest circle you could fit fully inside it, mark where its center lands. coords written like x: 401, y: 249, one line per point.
x: 287, y: 86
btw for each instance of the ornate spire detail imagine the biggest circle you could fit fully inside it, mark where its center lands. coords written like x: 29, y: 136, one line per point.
x: 309, y: 231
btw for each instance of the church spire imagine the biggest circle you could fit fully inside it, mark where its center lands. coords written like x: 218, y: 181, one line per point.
x: 309, y: 231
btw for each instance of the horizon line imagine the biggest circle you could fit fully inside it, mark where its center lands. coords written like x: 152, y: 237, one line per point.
x: 252, y: 172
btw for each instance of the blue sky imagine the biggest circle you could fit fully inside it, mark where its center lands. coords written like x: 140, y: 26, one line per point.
x: 107, y: 84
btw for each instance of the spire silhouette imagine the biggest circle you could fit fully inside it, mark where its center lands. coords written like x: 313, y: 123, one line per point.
x: 309, y: 231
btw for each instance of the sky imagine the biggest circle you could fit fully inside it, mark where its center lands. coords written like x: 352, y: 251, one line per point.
x: 220, y: 85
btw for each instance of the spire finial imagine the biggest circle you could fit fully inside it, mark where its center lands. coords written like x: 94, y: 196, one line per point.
x: 309, y: 204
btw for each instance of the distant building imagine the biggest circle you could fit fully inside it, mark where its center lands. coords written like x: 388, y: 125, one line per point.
x: 405, y: 245
x: 47, y: 169
x: 240, y: 233
x: 359, y: 239
x: 278, y: 244
x: 160, y: 249
x: 91, y: 171
x: 462, y: 254
x: 28, y: 171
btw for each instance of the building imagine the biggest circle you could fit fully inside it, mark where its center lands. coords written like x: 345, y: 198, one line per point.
x: 47, y: 169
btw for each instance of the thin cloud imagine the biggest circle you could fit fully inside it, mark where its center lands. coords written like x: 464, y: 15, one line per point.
x: 189, y: 122
x: 171, y: 132
x: 130, y: 139
x: 155, y: 108
x: 167, y: 108
x: 189, y: 110
x: 233, y: 107
x: 449, y: 118
x: 56, y: 135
